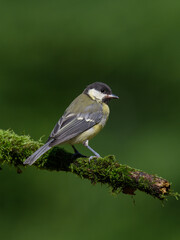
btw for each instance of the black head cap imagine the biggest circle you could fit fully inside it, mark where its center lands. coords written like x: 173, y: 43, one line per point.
x: 99, y: 86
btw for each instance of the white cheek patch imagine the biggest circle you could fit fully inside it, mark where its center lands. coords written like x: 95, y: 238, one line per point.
x: 94, y: 94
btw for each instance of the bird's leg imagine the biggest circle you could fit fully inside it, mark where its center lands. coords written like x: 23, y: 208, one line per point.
x: 76, y: 153
x: 95, y: 153
x: 75, y: 150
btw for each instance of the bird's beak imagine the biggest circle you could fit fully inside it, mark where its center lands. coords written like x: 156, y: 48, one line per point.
x: 110, y: 96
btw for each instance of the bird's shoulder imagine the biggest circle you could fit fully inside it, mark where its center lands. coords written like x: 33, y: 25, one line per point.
x: 83, y: 104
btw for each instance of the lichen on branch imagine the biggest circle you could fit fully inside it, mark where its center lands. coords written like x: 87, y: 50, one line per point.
x: 14, y: 149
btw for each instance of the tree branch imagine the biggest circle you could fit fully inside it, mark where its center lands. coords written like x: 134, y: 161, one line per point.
x: 14, y: 149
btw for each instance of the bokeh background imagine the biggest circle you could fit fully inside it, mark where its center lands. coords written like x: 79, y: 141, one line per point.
x: 49, y: 52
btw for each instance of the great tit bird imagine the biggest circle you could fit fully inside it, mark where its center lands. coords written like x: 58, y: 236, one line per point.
x: 81, y: 121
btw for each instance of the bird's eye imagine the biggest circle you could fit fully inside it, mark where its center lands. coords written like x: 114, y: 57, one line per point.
x: 102, y: 90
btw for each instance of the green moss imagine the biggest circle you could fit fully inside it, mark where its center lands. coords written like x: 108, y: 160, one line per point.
x: 14, y: 149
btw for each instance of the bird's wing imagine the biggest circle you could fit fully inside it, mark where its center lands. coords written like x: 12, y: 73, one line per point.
x: 71, y: 125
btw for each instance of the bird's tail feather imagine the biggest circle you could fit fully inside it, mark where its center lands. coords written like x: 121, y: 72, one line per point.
x: 30, y: 160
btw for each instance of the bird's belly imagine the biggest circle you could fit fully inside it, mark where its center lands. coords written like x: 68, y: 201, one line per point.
x: 87, y: 135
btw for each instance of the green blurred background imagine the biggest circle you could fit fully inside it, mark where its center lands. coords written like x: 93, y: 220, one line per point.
x: 49, y: 52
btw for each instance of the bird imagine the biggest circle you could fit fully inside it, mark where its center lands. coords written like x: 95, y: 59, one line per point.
x: 81, y: 121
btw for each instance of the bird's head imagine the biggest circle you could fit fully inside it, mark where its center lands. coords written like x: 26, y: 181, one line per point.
x: 100, y: 92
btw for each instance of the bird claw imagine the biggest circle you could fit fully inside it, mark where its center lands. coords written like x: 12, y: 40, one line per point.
x: 91, y: 157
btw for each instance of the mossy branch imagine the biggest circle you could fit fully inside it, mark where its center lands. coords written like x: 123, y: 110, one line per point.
x: 14, y: 149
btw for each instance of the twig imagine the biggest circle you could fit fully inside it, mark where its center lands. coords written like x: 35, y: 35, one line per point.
x: 14, y: 149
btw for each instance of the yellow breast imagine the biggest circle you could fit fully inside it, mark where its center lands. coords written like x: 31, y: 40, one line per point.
x: 106, y: 112
x: 87, y: 135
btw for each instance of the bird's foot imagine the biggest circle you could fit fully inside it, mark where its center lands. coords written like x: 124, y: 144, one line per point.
x: 96, y: 157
